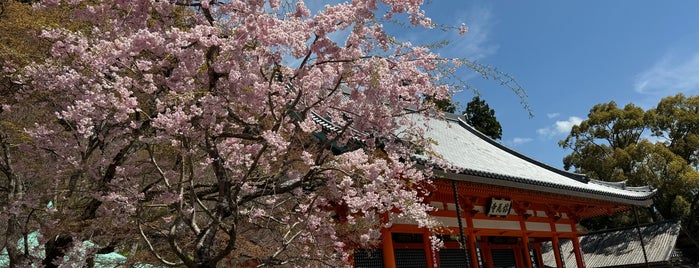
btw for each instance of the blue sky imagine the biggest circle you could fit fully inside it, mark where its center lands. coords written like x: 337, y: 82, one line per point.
x: 570, y: 56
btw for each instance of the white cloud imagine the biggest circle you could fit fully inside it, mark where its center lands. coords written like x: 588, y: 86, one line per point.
x: 559, y: 127
x: 671, y: 74
x: 476, y: 43
x: 552, y: 115
x: 518, y: 140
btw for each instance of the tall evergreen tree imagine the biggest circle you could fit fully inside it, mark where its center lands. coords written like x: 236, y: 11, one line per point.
x: 482, y: 117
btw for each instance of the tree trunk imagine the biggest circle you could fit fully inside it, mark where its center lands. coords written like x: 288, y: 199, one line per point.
x: 205, y: 252
x: 56, y: 249
x: 15, y: 185
x: 13, y: 253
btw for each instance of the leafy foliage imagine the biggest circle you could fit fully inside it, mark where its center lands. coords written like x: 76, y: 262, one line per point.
x: 676, y: 119
x: 477, y: 112
x: 612, y: 145
x: 598, y: 143
x: 480, y: 116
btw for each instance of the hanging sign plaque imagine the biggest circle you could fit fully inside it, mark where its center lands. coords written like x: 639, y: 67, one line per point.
x: 499, y: 207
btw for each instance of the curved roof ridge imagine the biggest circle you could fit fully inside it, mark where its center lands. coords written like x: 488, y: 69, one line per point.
x: 623, y: 185
x: 646, y: 188
x: 572, y: 175
x: 618, y: 184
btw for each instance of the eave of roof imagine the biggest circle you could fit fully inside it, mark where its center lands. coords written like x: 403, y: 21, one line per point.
x: 481, y: 159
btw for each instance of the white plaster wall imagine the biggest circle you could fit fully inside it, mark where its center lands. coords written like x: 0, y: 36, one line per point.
x: 563, y: 227
x: 538, y: 226
x: 450, y: 221
x: 496, y: 224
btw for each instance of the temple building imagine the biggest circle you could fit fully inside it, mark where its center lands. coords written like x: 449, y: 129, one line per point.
x: 499, y: 208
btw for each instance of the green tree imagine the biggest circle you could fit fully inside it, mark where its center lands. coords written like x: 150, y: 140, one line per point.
x: 482, y: 117
x: 599, y: 143
x: 676, y: 122
x: 676, y: 119
x: 610, y: 145
x: 656, y: 165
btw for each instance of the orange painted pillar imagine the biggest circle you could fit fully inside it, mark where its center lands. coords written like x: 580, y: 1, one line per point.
x: 539, y: 258
x: 578, y: 252
x: 556, y: 245
x: 557, y: 251
x: 486, y: 255
x: 525, y: 244
x: 389, y: 256
x: 429, y: 250
x: 525, y: 247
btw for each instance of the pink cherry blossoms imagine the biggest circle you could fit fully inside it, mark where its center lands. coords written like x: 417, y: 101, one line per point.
x: 187, y: 127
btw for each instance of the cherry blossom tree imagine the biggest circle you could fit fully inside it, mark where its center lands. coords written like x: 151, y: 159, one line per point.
x: 223, y: 132
x: 23, y: 192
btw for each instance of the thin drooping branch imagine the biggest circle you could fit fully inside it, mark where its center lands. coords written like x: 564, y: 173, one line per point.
x: 216, y: 219
x: 171, y: 239
x: 153, y: 250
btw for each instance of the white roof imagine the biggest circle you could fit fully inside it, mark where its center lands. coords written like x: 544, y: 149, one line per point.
x: 483, y: 160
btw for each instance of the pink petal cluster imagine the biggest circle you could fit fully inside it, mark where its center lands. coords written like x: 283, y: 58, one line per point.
x: 184, y: 121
